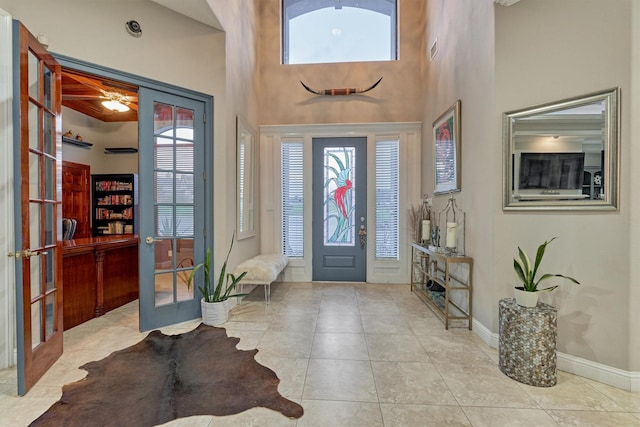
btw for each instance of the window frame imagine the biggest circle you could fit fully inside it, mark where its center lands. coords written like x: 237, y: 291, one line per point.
x: 285, y: 30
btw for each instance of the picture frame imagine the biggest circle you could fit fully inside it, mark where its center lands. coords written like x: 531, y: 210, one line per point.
x: 446, y: 150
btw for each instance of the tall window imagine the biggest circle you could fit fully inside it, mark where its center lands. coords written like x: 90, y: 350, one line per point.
x: 321, y: 31
x: 387, y: 196
x: 292, y: 199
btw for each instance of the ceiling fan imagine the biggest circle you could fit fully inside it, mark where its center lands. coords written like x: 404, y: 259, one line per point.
x: 98, y: 94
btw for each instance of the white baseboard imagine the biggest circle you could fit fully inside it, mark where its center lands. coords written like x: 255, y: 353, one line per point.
x: 625, y: 380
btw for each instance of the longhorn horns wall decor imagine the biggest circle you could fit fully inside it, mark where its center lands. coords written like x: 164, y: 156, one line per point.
x: 341, y: 91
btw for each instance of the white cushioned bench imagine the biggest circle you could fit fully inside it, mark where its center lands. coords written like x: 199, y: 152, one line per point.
x: 261, y: 270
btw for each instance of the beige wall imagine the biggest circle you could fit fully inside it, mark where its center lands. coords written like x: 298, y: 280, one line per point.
x: 463, y: 69
x: 398, y: 98
x: 100, y: 134
x: 548, y: 50
x: 239, y: 20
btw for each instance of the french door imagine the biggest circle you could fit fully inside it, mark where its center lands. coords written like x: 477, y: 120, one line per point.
x: 37, y: 172
x: 339, y: 177
x: 173, y: 205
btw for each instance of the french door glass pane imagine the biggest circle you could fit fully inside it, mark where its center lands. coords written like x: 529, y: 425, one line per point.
x: 34, y: 225
x: 36, y: 323
x: 47, y: 86
x: 34, y: 81
x: 34, y: 126
x: 49, y: 320
x: 34, y: 176
x: 339, y: 196
x: 174, y: 204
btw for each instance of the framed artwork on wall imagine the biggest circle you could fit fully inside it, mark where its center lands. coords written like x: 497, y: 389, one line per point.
x: 446, y: 140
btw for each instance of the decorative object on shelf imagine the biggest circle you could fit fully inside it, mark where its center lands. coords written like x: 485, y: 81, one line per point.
x: 447, y: 143
x: 452, y: 221
x: 78, y: 137
x: 342, y: 91
x: 215, y: 298
x: 425, y: 215
x: 68, y: 134
x: 527, y: 293
x: 414, y: 221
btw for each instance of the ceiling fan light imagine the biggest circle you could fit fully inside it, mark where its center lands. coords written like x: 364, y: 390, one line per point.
x: 115, y: 106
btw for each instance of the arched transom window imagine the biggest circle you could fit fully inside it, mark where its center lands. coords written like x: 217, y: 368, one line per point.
x: 322, y: 31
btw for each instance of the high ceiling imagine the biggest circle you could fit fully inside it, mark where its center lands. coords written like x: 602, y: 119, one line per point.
x: 84, y: 93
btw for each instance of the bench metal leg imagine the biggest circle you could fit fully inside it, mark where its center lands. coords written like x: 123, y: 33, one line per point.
x: 267, y: 293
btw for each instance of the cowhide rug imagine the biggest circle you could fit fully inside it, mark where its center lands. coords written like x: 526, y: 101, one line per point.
x: 165, y: 377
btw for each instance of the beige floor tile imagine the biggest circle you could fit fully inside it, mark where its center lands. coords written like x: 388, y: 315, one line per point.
x: 248, y: 339
x: 629, y: 401
x: 329, y: 379
x: 593, y: 418
x: 406, y: 383
x: 291, y: 372
x: 571, y: 392
x: 423, y: 415
x: 339, y: 346
x: 323, y: 413
x: 255, y: 417
x: 291, y: 344
x: 508, y: 417
x: 483, y: 385
x: 339, y: 322
x: 196, y: 421
x: 379, y: 308
x: 386, y: 325
x: 410, y: 383
x: 293, y: 321
x: 398, y: 348
x: 454, y: 348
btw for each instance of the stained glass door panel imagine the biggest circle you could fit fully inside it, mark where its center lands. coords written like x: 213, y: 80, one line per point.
x: 339, y: 209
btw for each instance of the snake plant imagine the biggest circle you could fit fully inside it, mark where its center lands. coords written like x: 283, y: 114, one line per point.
x: 221, y: 291
x: 527, y: 274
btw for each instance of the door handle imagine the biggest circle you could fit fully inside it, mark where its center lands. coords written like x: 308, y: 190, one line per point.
x: 149, y: 240
x: 27, y: 253
x: 363, y: 236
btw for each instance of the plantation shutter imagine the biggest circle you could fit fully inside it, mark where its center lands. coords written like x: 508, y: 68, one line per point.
x: 387, y: 196
x: 292, y: 199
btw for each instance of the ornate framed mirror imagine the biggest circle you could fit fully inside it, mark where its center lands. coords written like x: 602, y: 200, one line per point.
x: 563, y: 155
x: 246, y: 145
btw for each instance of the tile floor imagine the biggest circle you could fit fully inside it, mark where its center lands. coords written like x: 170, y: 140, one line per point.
x: 352, y: 355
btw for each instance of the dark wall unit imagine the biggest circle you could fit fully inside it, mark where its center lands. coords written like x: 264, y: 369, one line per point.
x: 114, y: 204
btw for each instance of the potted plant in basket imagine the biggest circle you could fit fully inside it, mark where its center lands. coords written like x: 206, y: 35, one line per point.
x: 527, y: 293
x: 215, y: 299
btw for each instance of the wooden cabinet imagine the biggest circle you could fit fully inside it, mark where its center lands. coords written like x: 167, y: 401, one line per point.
x: 115, y: 204
x: 99, y: 274
x: 444, y: 283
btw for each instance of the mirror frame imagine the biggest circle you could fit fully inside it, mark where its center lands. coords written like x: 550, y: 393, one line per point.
x: 245, y: 180
x: 611, y: 99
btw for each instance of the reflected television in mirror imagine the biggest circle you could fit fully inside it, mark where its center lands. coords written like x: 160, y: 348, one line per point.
x: 563, y: 155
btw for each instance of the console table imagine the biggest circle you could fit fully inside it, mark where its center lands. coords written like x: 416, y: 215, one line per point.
x: 527, y: 342
x: 432, y: 269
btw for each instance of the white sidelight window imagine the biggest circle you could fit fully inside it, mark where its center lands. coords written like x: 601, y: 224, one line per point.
x: 387, y: 198
x: 292, y: 199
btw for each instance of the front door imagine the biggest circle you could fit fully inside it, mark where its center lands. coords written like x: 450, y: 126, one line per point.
x: 37, y: 170
x: 339, y: 209
x: 173, y: 206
